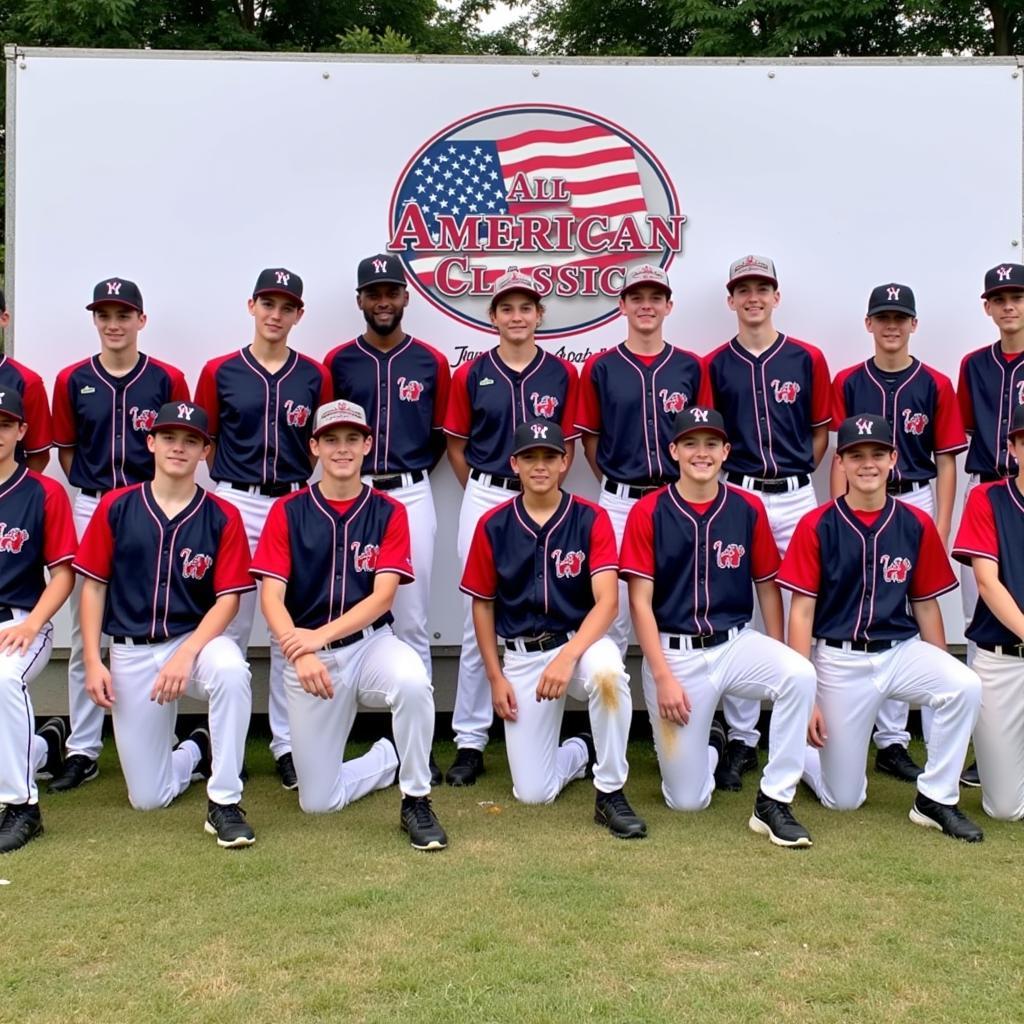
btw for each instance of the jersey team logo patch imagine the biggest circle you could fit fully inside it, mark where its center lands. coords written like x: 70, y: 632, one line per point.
x: 13, y: 539
x: 142, y: 419
x: 194, y: 567
x: 409, y: 390
x: 296, y: 415
x: 672, y: 401
x: 914, y: 422
x: 785, y: 391
x: 544, y: 405
x: 364, y: 556
x: 728, y: 556
x: 895, y: 570
x: 568, y: 565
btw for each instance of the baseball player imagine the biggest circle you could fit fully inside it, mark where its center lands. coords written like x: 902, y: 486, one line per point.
x: 510, y: 384
x: 402, y: 384
x: 773, y: 392
x: 260, y: 401
x: 36, y: 534
x: 542, y: 574
x: 164, y: 564
x: 349, y: 546
x: 103, y: 410
x: 693, y: 554
x: 629, y: 398
x: 924, y: 420
x: 991, y: 540
x: 866, y: 571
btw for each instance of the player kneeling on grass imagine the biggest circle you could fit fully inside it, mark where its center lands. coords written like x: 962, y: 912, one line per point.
x: 542, y: 574
x: 693, y: 554
x: 331, y: 558
x: 164, y: 564
x: 866, y: 571
x: 37, y: 533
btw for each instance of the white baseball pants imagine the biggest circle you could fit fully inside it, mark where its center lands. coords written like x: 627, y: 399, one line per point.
x: 852, y: 686
x: 752, y: 666
x: 999, y: 734
x: 156, y: 772
x: 618, y: 510
x: 968, y: 584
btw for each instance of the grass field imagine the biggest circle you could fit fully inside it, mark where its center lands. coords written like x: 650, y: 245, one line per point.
x: 533, y: 914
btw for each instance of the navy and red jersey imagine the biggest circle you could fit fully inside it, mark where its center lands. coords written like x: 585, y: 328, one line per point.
x: 260, y: 420
x: 163, y: 575
x: 863, y: 569
x: 488, y: 400
x: 38, y: 422
x: 631, y: 401
x: 36, y: 532
x: 703, y: 558
x: 991, y: 386
x: 107, y: 419
x: 919, y: 404
x: 539, y: 576
x: 405, y: 395
x: 337, y: 549
x: 771, y: 402
x: 993, y: 527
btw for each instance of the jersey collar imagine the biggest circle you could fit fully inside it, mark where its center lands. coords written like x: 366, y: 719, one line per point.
x: 151, y: 503
x: 320, y: 500
x: 524, y: 520
x: 257, y: 367
x: 758, y: 357
x: 13, y: 480
x: 659, y: 360
x: 885, y: 514
x: 364, y: 346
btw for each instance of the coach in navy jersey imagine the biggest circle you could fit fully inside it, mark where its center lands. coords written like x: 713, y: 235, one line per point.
x: 542, y: 574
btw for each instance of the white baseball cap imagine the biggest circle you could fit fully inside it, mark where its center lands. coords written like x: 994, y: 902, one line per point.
x: 514, y: 281
x: 752, y: 266
x: 340, y: 413
x: 646, y: 273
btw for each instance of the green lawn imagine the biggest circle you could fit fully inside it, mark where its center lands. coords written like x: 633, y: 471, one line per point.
x: 533, y: 914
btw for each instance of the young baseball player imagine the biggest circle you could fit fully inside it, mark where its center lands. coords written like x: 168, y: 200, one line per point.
x: 402, y: 384
x: 693, y: 553
x: 260, y: 400
x: 629, y: 398
x: 164, y: 564
x: 866, y: 571
x: 36, y: 534
x: 991, y: 541
x: 103, y: 410
x: 773, y: 392
x: 511, y: 383
x: 542, y: 574
x: 920, y: 406
x: 331, y: 558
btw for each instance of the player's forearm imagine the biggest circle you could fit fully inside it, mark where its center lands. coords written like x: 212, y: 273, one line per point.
x: 647, y: 633
x: 90, y: 616
x: 929, y: 622
x: 590, y: 452
x: 819, y: 444
x: 801, y: 624
x: 457, y: 458
x: 212, y: 624
x: 1000, y: 602
x: 487, y: 639
x: 945, y: 494
x: 56, y: 592
x: 836, y: 479
x: 770, y: 600
x: 279, y: 620
x: 367, y: 611
x: 66, y: 456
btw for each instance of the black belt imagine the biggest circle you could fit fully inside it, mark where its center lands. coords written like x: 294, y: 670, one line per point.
x: 864, y: 646
x: 6, y: 614
x: 698, y: 643
x: 991, y: 478
x: 267, y: 490
x: 89, y: 492
x: 137, y: 640
x: 547, y: 642
x: 1010, y: 650
x: 779, y: 486
x: 354, y: 638
x: 393, y: 481
x: 904, y: 486
x: 510, y: 483
x: 633, y: 491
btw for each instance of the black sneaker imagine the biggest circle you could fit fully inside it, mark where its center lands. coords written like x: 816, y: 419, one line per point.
x: 716, y: 739
x: 970, y: 777
x: 77, y: 769
x: 613, y: 811
x: 947, y: 818
x: 204, y: 768
x: 739, y: 758
x: 467, y: 767
x: 55, y: 732
x: 895, y: 761
x: 774, y: 819
x: 286, y: 770
x: 419, y: 820
x: 436, y: 778
x: 227, y: 822
x: 19, y: 824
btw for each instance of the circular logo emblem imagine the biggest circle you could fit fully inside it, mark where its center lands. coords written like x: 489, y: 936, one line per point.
x: 560, y: 194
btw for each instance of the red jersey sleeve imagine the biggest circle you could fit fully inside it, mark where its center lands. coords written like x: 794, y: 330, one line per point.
x: 949, y: 426
x: 95, y: 556
x: 60, y: 542
x: 442, y: 391
x: 326, y: 385
x: 231, y: 565
x: 395, y: 548
x: 572, y: 390
x: 963, y: 397
x: 588, y: 411
x: 839, y: 412
x: 977, y: 536
x: 604, y: 553
x: 206, y: 396
x: 458, y: 417
x: 273, y: 555
x: 64, y: 433
x: 480, y: 577
x: 39, y: 423
x: 933, y: 575
x: 821, y: 389
x: 637, y: 557
x: 179, y: 387
x: 801, y: 568
x: 764, y: 559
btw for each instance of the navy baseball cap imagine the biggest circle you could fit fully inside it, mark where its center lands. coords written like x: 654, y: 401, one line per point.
x: 11, y: 405
x: 698, y: 417
x: 864, y: 429
x: 1004, y: 278
x: 119, y: 290
x: 892, y: 298
x: 186, y: 415
x: 539, y: 433
x: 380, y: 269
x: 278, y: 281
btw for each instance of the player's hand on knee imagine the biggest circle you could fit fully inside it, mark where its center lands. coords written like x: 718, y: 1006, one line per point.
x: 172, y: 681
x: 18, y: 639
x: 297, y: 642
x: 555, y: 678
x: 816, y: 734
x: 674, y: 702
x: 313, y: 676
x: 99, y: 686
x: 503, y: 699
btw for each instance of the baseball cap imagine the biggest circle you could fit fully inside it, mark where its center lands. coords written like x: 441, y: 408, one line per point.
x: 539, y: 433
x: 1017, y: 420
x: 646, y: 273
x: 863, y: 429
x: 117, y: 289
x: 380, y: 269
x: 11, y: 405
x: 186, y: 415
x: 340, y: 413
x: 752, y: 266
x: 698, y: 417
x: 277, y: 280
x: 892, y: 298
x: 514, y: 281
x: 1006, y: 277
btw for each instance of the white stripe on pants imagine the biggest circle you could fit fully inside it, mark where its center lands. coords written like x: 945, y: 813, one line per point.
x: 541, y: 768
x: 753, y: 666
x: 852, y: 686
x: 999, y: 734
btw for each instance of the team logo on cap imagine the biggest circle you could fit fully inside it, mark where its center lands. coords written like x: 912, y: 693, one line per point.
x: 296, y: 415
x: 142, y: 419
x: 364, y: 556
x: 672, y: 401
x: 699, y: 415
x: 895, y: 570
x: 914, y: 422
x: 185, y: 412
x: 1004, y: 273
x: 283, y: 277
x: 865, y: 427
x: 785, y: 391
x: 728, y: 556
x: 380, y: 266
x: 893, y: 294
x: 12, y: 539
x: 574, y: 198
x: 568, y: 565
x: 540, y: 431
x: 544, y: 405
x: 194, y: 567
x: 409, y: 390
x: 113, y: 287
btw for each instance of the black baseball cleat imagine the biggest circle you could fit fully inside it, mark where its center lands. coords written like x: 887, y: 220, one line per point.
x: 947, y: 818
x: 420, y: 822
x: 717, y: 739
x: 774, y: 819
x: 739, y: 758
x: 285, y: 768
x: 467, y: 767
x: 895, y: 761
x: 613, y: 811
x: 970, y: 777
x: 227, y: 822
x: 55, y: 732
x: 436, y: 778
x: 77, y: 769
x: 19, y: 825
x: 204, y: 767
